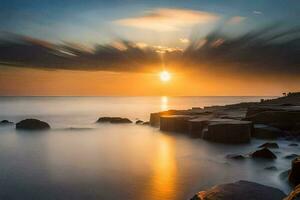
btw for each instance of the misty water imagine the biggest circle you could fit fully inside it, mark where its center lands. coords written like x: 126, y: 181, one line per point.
x: 79, y: 159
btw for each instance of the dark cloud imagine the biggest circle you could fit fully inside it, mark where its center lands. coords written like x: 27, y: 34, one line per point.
x: 270, y: 50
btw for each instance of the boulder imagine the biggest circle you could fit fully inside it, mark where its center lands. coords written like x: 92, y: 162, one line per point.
x: 266, y: 132
x: 241, y: 190
x: 174, y: 123
x: 113, y: 120
x: 32, y: 124
x: 264, y: 153
x: 228, y: 131
x: 271, y: 145
x: 294, y: 175
x: 6, y: 122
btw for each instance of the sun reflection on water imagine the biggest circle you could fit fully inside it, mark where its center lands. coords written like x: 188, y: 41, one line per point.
x: 164, y: 103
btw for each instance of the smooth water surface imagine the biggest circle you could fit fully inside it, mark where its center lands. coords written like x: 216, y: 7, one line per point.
x: 79, y: 159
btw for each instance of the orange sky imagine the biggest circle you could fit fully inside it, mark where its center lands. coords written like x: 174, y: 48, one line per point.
x: 23, y: 81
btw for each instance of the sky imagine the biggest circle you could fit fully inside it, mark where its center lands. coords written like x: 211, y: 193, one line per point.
x: 94, y: 47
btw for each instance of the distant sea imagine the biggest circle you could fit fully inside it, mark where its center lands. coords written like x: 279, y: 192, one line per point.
x: 79, y: 159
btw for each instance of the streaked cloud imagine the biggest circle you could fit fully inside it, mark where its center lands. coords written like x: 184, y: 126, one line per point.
x: 236, y: 20
x: 166, y: 19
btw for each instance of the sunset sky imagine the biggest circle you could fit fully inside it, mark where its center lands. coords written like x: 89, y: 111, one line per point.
x: 209, y: 47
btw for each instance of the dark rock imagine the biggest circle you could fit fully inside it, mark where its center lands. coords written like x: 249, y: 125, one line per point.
x: 6, y: 122
x: 241, y: 190
x: 32, y: 124
x: 266, y: 132
x: 113, y: 120
x: 264, y: 153
x: 291, y: 156
x: 174, y: 123
x: 271, y: 168
x: 271, y: 145
x: 146, y: 123
x: 229, y: 131
x: 293, y: 145
x: 139, y: 122
x: 294, y: 175
x: 235, y: 156
x: 197, y: 125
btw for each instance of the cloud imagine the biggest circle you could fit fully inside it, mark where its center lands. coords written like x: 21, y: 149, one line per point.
x: 267, y: 51
x: 236, y: 20
x: 165, y: 19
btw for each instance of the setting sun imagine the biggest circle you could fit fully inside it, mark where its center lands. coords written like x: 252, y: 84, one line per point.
x: 165, y: 76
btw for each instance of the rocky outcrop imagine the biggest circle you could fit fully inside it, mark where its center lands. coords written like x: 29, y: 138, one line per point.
x: 262, y: 131
x: 114, y: 120
x: 197, y: 125
x: 264, y: 153
x: 174, y: 123
x: 271, y: 145
x: 229, y: 131
x: 294, y: 175
x: 32, y: 124
x: 6, y: 122
x: 241, y: 190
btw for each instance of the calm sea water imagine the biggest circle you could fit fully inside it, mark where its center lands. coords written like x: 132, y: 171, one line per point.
x: 103, y: 161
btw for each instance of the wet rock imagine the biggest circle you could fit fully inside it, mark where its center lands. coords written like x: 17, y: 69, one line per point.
x: 293, y: 145
x: 235, y: 156
x: 266, y: 132
x: 271, y: 145
x: 241, y: 190
x: 271, y: 168
x: 114, y: 120
x: 139, y: 122
x: 32, y: 124
x: 294, y: 175
x: 291, y: 156
x: 6, y: 122
x: 174, y: 123
x: 229, y: 131
x: 264, y: 153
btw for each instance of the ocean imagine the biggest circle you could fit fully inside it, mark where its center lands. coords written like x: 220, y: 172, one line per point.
x: 80, y: 159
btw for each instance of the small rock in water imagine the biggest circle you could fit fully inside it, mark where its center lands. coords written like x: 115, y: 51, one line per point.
x: 146, y: 123
x: 241, y: 190
x: 139, y: 122
x: 32, y: 124
x: 113, y: 120
x: 264, y: 153
x: 6, y: 122
x: 235, y: 156
x: 291, y: 156
x: 271, y: 145
x: 272, y: 168
x: 293, y: 145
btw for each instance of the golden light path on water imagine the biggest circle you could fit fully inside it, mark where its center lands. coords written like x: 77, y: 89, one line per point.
x: 164, y: 103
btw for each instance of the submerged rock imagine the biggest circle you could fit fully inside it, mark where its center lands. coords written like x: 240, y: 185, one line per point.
x: 293, y: 145
x: 6, y: 122
x: 291, y: 156
x: 271, y: 168
x: 139, y: 122
x: 32, y: 124
x: 266, y: 132
x: 294, y: 175
x: 241, y: 190
x: 113, y: 120
x: 146, y: 123
x: 235, y: 156
x: 264, y: 153
x: 229, y: 131
x: 271, y: 145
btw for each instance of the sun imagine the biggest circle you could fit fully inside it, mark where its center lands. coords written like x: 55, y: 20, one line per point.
x: 165, y: 76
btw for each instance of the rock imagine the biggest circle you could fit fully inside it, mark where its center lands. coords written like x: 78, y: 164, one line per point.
x: 291, y: 156
x: 146, y: 123
x: 6, y: 122
x: 155, y: 117
x: 32, y: 124
x: 113, y: 120
x: 293, y: 145
x: 264, y: 153
x: 271, y: 145
x: 229, y: 131
x: 241, y: 190
x: 196, y: 125
x: 294, y: 175
x: 174, y: 123
x: 265, y: 132
x: 139, y: 122
x: 235, y: 156
x: 271, y: 168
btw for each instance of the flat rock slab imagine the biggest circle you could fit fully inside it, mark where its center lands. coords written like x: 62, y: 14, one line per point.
x: 262, y: 131
x: 241, y: 190
x: 228, y: 131
x: 32, y: 124
x: 174, y: 123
